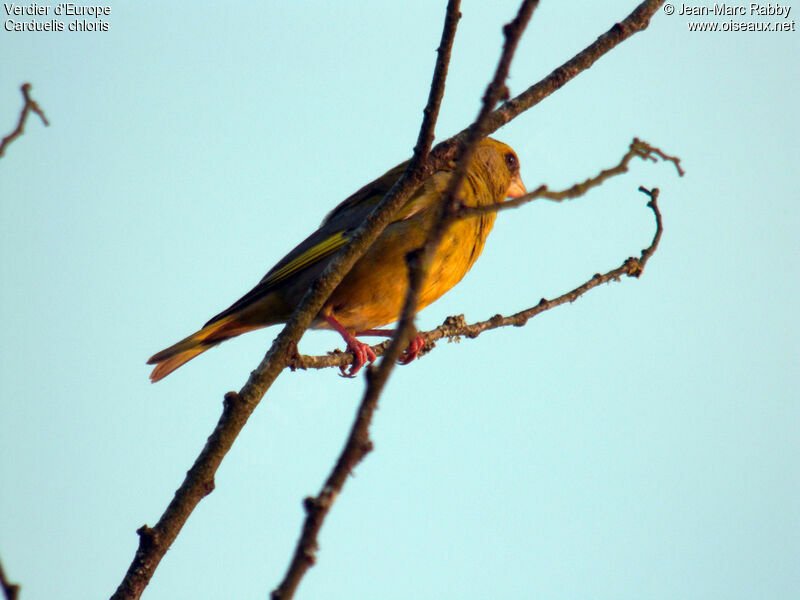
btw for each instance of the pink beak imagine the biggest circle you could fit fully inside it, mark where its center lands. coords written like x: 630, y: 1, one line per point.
x: 516, y: 188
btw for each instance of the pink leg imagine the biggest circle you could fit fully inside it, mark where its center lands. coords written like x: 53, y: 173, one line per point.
x: 377, y: 332
x: 362, y: 353
x: 410, y: 353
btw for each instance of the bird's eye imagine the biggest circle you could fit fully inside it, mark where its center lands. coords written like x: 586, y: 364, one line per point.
x: 511, y: 162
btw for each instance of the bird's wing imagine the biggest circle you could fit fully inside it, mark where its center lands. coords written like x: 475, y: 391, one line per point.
x: 310, y: 257
x: 352, y: 211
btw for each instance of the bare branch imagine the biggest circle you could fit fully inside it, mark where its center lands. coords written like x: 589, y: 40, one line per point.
x: 466, y: 142
x: 637, y: 21
x: 637, y: 149
x: 431, y: 111
x: 199, y: 482
x: 29, y: 106
x: 455, y: 326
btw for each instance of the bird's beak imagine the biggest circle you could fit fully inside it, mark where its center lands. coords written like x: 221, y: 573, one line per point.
x: 516, y: 188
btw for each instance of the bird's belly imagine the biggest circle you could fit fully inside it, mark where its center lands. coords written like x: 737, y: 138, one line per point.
x: 373, y: 293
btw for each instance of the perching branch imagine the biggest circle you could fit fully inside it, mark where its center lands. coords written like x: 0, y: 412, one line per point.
x: 29, y: 106
x: 199, y: 481
x: 456, y: 326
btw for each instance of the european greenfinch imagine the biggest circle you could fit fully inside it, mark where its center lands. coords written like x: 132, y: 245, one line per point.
x: 372, y: 293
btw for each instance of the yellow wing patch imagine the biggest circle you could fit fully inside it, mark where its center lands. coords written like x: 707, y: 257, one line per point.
x: 309, y: 257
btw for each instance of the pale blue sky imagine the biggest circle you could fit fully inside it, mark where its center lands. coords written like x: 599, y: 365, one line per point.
x: 641, y: 443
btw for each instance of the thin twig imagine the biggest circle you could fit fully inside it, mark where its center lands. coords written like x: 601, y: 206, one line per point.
x: 631, y: 267
x: 456, y: 326
x: 29, y: 106
x: 637, y: 149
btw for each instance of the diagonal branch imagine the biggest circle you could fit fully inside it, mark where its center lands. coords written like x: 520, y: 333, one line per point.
x: 637, y: 21
x: 29, y: 106
x: 199, y: 482
x: 358, y: 443
x: 454, y: 327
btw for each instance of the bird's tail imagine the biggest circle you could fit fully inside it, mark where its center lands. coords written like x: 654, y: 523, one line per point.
x: 212, y: 334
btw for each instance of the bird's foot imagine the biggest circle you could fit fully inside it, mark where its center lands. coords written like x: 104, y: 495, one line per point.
x: 362, y: 354
x: 410, y: 353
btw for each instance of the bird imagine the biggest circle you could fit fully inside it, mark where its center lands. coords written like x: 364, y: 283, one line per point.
x: 372, y: 294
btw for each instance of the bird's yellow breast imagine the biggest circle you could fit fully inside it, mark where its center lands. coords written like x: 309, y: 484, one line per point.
x: 372, y: 294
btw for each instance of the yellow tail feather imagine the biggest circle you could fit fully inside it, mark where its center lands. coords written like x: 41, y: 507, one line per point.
x: 178, y: 354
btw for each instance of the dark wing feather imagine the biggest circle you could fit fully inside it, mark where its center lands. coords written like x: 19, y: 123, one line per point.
x: 310, y: 257
x: 352, y: 211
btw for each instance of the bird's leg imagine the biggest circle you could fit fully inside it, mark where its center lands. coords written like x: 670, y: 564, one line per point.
x: 362, y: 353
x: 417, y: 343
x: 377, y: 332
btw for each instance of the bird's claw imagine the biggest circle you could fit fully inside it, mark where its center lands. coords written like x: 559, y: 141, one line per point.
x: 362, y: 354
x: 410, y: 353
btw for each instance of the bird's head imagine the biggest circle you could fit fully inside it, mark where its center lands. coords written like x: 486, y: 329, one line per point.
x: 501, y: 167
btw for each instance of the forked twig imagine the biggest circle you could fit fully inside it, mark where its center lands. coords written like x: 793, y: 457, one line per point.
x: 28, y: 107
